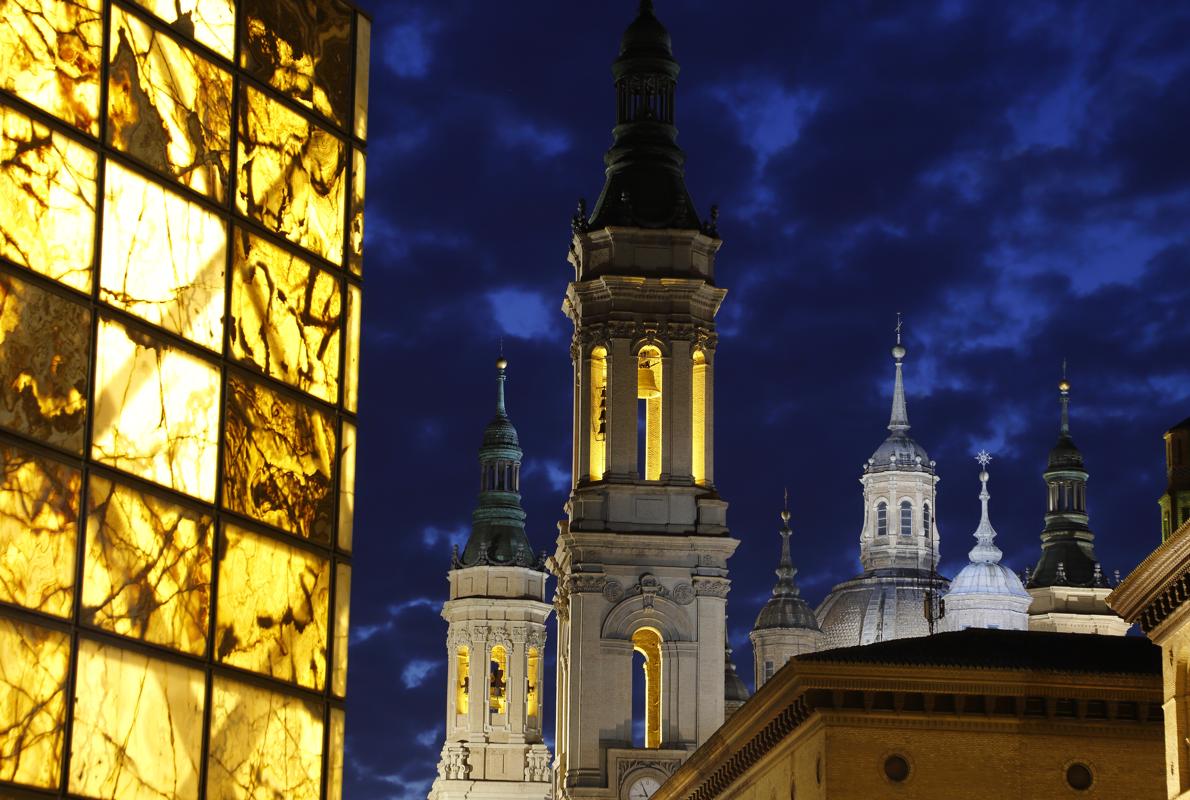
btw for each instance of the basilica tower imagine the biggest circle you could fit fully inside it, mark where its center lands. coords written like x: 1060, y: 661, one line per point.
x: 642, y: 554
x: 495, y: 639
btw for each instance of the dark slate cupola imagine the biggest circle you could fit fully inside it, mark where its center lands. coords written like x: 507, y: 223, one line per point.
x: 645, y: 186
x: 1067, y: 543
x: 786, y: 608
x: 498, y: 522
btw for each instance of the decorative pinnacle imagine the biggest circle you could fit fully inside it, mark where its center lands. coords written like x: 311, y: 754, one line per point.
x: 501, y: 365
x: 985, y: 551
x: 899, y: 420
x: 1064, y: 399
x: 785, y: 570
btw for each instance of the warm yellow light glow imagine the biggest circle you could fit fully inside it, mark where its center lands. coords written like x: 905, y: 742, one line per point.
x: 147, y: 572
x: 647, y: 642
x: 650, y: 389
x: 463, y: 680
x: 263, y: 744
x: 47, y: 189
x: 44, y: 344
x: 292, y: 175
x: 137, y: 726
x: 285, y: 316
x: 168, y: 106
x: 33, y: 664
x: 156, y: 411
x: 272, y: 609
x: 52, y: 54
x: 163, y: 257
x: 351, y: 368
x: 310, y: 63
x: 363, y: 46
x: 279, y: 459
x: 498, y: 680
x: 355, y: 258
x: 698, y: 442
x: 599, y: 408
x: 533, y: 686
x: 210, y: 22
x: 334, y: 767
x: 342, y: 622
x: 39, y: 506
x: 347, y: 486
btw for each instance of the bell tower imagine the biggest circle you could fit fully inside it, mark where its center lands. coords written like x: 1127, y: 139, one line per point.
x: 642, y: 554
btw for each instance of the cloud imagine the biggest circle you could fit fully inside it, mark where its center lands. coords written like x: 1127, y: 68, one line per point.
x: 430, y: 737
x: 540, y: 142
x: 769, y: 117
x: 523, y: 313
x: 416, y: 672
x: 407, y: 50
x: 362, y: 633
x: 432, y: 536
x: 556, y: 474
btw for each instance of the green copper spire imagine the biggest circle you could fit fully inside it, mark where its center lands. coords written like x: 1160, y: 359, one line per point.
x: 645, y: 186
x: 498, y: 522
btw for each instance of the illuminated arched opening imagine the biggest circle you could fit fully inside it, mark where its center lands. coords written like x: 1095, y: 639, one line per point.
x: 598, y: 443
x: 648, y: 391
x: 533, y: 687
x: 498, y: 680
x: 463, y: 681
x: 882, y: 518
x: 647, y: 642
x: 699, y: 418
x: 906, y: 518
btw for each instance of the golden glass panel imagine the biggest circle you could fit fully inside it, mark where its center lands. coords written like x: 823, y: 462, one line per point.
x: 45, y: 342
x: 33, y: 665
x: 279, y: 461
x: 498, y: 680
x: 39, y: 509
x: 168, y: 106
x: 272, y: 610
x: 263, y: 744
x: 292, y: 175
x: 52, y: 53
x: 209, y: 22
x: 47, y: 187
x: 463, y: 680
x: 163, y: 257
x: 302, y: 48
x: 342, y: 621
x: 285, y: 316
x: 147, y: 573
x: 334, y: 768
x: 647, y: 642
x: 363, y: 48
x: 347, y: 486
x: 351, y: 368
x: 355, y: 259
x: 156, y: 411
x: 137, y: 731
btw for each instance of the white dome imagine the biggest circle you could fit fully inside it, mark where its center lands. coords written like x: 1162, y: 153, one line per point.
x: 987, y: 579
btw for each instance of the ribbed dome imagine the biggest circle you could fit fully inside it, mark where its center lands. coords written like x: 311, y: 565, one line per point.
x: 987, y: 579
x: 786, y: 612
x: 500, y: 433
x: 1065, y: 454
x: 646, y: 37
x: 734, y: 690
x: 900, y: 451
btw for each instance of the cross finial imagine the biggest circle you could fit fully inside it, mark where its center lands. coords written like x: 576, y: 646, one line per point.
x: 983, y: 457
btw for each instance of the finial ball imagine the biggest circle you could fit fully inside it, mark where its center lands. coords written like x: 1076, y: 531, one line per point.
x: 983, y: 475
x: 1064, y: 385
x: 785, y: 517
x: 501, y: 363
x: 898, y: 351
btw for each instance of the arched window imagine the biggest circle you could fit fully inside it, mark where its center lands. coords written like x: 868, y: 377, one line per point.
x: 906, y: 518
x: 533, y: 687
x: 882, y: 518
x: 598, y: 443
x: 462, y: 681
x: 648, y: 392
x: 925, y: 520
x: 498, y: 680
x: 698, y: 441
x: 647, y: 642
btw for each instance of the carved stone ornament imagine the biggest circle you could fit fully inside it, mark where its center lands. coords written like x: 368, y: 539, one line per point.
x: 683, y: 594
x: 629, y: 765
x: 457, y: 636
x: 537, y: 764
x: 649, y: 587
x: 613, y: 591
x: 536, y: 639
x: 453, y: 765
x: 586, y: 583
x: 712, y: 587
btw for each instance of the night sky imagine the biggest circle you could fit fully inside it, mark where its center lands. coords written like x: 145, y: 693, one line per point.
x: 1013, y: 177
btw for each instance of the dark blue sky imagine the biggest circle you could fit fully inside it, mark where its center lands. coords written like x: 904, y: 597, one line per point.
x: 1014, y: 177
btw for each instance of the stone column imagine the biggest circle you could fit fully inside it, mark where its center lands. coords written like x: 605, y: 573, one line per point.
x: 680, y: 434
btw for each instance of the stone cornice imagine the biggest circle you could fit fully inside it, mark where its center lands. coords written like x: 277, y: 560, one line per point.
x: 1158, y: 585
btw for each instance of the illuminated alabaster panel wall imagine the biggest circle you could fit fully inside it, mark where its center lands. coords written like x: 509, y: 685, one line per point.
x: 181, y: 230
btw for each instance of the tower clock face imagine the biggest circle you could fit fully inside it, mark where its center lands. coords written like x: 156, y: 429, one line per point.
x: 643, y: 788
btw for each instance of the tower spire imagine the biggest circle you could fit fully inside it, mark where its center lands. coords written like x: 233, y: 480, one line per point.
x: 899, y: 419
x: 501, y: 366
x: 1064, y: 400
x: 985, y: 551
x: 785, y: 587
